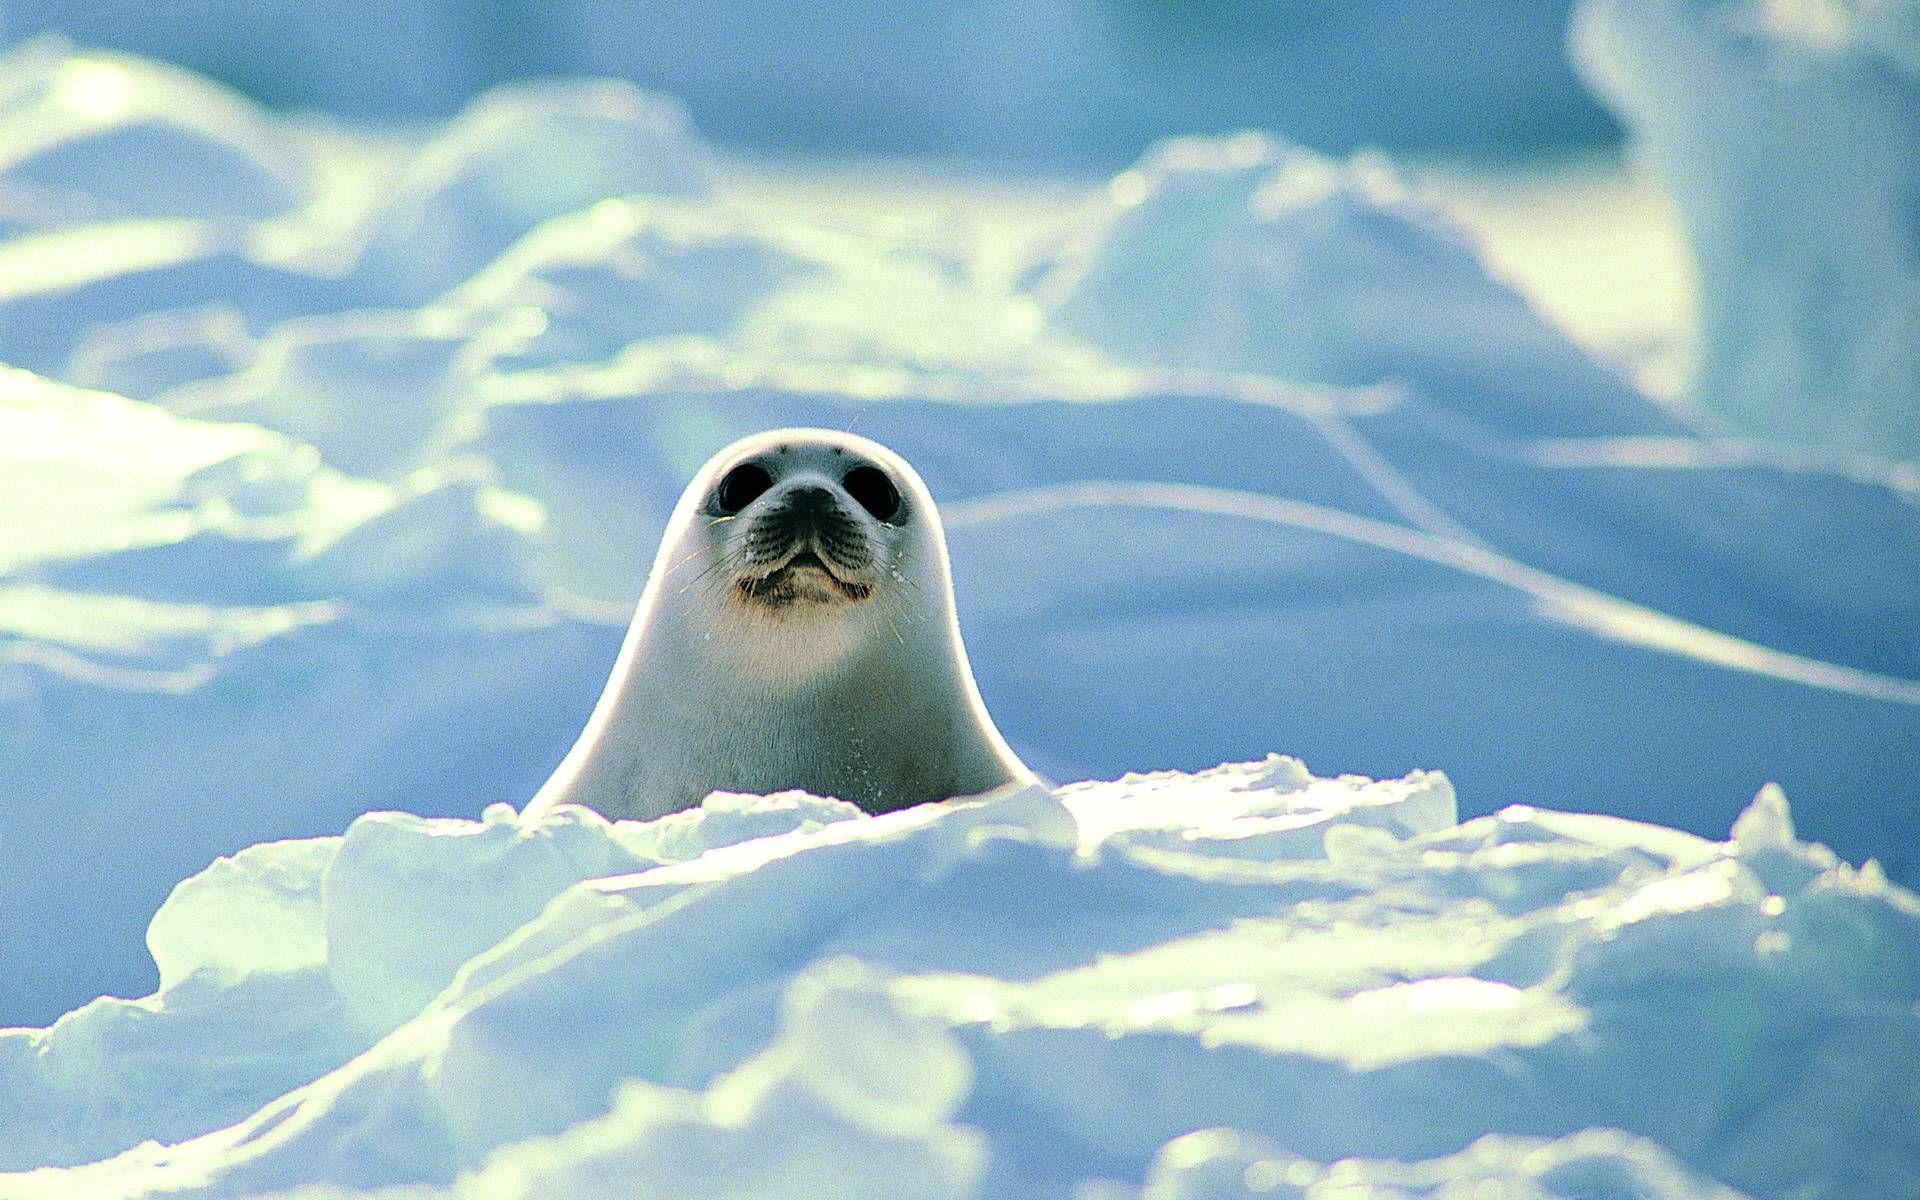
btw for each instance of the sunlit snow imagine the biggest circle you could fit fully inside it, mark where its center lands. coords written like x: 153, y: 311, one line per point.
x: 333, y: 462
x: 1004, y: 997
x: 1789, y: 137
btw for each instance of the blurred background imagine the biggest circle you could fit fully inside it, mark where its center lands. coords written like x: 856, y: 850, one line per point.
x: 1523, y: 390
x: 1075, y: 86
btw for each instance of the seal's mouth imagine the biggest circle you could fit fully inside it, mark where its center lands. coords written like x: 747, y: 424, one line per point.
x: 804, y: 578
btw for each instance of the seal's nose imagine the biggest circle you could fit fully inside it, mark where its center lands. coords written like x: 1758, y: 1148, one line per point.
x: 809, y: 500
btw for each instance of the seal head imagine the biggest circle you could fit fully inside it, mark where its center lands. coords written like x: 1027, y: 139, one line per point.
x: 797, y: 631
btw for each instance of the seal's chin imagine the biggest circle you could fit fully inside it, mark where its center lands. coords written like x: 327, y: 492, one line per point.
x: 803, y: 579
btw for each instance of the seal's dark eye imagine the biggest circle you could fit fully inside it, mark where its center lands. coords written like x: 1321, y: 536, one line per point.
x: 875, y: 492
x: 741, y: 487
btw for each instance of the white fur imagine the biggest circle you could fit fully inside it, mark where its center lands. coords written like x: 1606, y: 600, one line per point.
x: 870, y: 701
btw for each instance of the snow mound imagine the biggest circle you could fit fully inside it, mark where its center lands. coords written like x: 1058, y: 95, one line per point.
x: 378, y: 393
x: 1251, y: 254
x: 1789, y: 138
x: 95, y: 137
x: 118, y: 497
x: 176, y: 597
x: 518, y: 155
x: 365, y: 223
x: 1265, y: 456
x: 1243, y: 981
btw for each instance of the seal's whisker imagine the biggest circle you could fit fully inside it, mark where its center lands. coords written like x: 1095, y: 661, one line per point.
x: 680, y: 562
x: 909, y: 582
x: 711, y: 567
x: 747, y: 633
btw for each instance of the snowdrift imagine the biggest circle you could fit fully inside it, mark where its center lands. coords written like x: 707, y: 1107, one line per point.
x: 337, y: 461
x: 1789, y: 138
x: 1245, y: 982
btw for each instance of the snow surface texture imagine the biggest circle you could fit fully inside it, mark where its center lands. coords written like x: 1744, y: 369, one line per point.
x: 336, y: 464
x: 1247, y: 982
x: 1789, y: 136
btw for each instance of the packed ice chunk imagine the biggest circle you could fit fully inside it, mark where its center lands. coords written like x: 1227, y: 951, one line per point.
x: 585, y: 286
x: 1854, y: 930
x: 848, y: 1044
x: 1274, y: 809
x: 1224, y: 1164
x: 1555, y: 1004
x: 244, y: 1008
x: 1789, y: 138
x: 288, y: 958
x: 1766, y: 823
x: 1248, y: 253
x: 726, y: 818
x: 183, y: 603
x: 85, y: 472
x: 258, y: 911
x: 1764, y: 841
x: 853, y: 1099
x: 119, y: 1072
x: 92, y: 136
x: 519, y: 155
x: 410, y: 900
x: 444, y: 532
x: 1230, y: 1164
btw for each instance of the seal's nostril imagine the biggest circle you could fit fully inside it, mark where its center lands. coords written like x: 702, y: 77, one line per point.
x: 809, y: 498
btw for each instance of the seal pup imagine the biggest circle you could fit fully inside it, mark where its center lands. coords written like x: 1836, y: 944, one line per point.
x: 797, y: 631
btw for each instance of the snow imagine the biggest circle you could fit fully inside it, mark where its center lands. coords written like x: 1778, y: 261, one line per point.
x: 515, y: 157
x: 1248, y: 978
x: 317, y: 526
x: 1061, y: 84
x: 1789, y: 138
x: 88, y: 138
x: 335, y: 461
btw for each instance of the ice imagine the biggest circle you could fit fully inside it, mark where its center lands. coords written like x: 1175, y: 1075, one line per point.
x: 586, y: 286
x: 60, y: 288
x: 1224, y: 1164
x: 97, y: 137
x: 161, y: 570
x: 380, y: 233
x: 1274, y: 809
x: 1766, y: 823
x: 88, y: 472
x: 1272, y: 459
x: 392, y: 382
x: 1789, y: 137
x: 1248, y: 253
x: 804, y: 1001
x: 122, y: 498
x: 516, y: 156
x: 481, y: 481
x: 853, y: 1096
x: 147, y: 356
x: 688, y: 287
x: 259, y: 911
x: 462, y: 898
